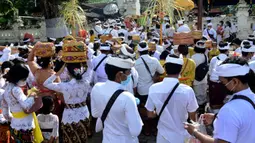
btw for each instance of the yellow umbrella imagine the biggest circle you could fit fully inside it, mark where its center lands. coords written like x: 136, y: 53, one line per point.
x: 185, y: 4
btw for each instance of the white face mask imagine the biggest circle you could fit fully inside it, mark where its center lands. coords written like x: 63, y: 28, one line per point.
x: 21, y: 83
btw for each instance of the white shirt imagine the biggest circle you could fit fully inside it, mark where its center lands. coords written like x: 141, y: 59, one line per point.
x: 123, y: 123
x: 157, y: 55
x: 124, y: 31
x: 145, y: 80
x: 100, y: 75
x: 169, y: 32
x: 239, y: 50
x: 235, y: 123
x: 98, y: 29
x: 182, y: 102
x: 183, y: 28
x: 133, y: 82
x: 199, y: 59
x: 159, y: 48
x: 227, y: 32
x: 211, y: 32
x: 74, y: 92
x: 6, y: 55
x: 114, y: 33
x: 213, y: 64
x: 49, y: 121
x: 17, y: 101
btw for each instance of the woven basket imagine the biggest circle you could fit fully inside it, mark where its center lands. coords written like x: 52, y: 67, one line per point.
x: 68, y: 38
x: 80, y: 39
x: 74, y: 57
x: 183, y: 35
x: 152, y: 46
x: 46, y: 49
x: 74, y: 52
x: 187, y: 41
x: 105, y: 38
x: 197, y: 34
x: 136, y: 39
x: 208, y: 44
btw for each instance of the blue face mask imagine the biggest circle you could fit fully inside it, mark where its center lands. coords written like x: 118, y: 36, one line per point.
x: 124, y: 83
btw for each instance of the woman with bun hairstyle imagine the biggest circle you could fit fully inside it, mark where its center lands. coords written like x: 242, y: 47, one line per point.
x: 24, y: 127
x: 75, y: 118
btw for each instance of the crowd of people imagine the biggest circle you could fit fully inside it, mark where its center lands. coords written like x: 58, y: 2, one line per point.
x: 127, y: 87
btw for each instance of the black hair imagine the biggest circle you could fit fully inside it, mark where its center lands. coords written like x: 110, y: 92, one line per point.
x: 183, y: 49
x: 121, y: 34
x: 223, y: 44
x: 228, y: 24
x: 171, y: 68
x: 129, y: 37
x: 167, y: 26
x: 18, y: 61
x: 149, y: 34
x: 111, y: 71
x: 23, y: 52
x: 6, y: 64
x: 237, y: 41
x: 157, y: 26
x: 132, y: 45
x: 143, y: 45
x: 91, y: 32
x: 199, y: 50
x: 240, y: 61
x: 223, y: 51
x: 221, y: 22
x: 58, y: 48
x: 71, y: 67
x: 58, y: 65
x: 16, y: 73
x: 96, y: 46
x: 48, y: 105
x: 44, y: 62
x: 123, y: 26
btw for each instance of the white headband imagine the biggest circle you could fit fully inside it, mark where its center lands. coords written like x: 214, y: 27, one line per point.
x: 60, y: 44
x: 53, y: 39
x: 200, y: 46
x: 172, y: 60
x: 180, y: 22
x: 28, y: 40
x: 251, y: 49
x: 121, y: 63
x: 245, y: 41
x: 140, y: 49
x: 232, y: 70
x: 225, y: 47
x: 105, y: 47
x: 125, y: 52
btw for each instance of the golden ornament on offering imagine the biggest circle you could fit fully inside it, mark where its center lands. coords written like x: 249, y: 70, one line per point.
x: 44, y: 49
x: 74, y: 52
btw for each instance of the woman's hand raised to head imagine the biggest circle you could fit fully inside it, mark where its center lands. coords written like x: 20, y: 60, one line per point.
x: 61, y: 70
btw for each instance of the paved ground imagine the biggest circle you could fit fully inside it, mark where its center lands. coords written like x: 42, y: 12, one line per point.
x: 97, y: 138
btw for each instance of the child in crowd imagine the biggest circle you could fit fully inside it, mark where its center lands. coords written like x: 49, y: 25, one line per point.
x: 48, y: 122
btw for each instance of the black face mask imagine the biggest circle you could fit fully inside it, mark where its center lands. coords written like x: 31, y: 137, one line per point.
x: 226, y: 90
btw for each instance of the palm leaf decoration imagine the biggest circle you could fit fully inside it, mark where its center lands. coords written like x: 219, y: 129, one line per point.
x: 73, y: 15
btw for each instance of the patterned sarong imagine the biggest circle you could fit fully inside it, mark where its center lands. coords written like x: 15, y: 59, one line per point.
x: 75, y: 132
x: 21, y: 136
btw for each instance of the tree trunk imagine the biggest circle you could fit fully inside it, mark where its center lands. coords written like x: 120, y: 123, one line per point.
x: 55, y: 25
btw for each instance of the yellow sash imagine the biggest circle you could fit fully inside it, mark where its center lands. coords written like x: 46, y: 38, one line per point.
x: 38, y: 138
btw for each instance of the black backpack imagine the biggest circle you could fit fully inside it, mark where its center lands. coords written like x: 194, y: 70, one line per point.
x: 202, y: 70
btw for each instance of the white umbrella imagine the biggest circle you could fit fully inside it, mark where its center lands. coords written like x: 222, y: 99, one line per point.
x: 111, y: 9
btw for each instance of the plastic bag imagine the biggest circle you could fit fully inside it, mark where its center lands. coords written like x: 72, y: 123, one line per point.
x: 201, y: 128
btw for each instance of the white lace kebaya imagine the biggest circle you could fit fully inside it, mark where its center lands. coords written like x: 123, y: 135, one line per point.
x: 74, y: 92
x: 17, y: 101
